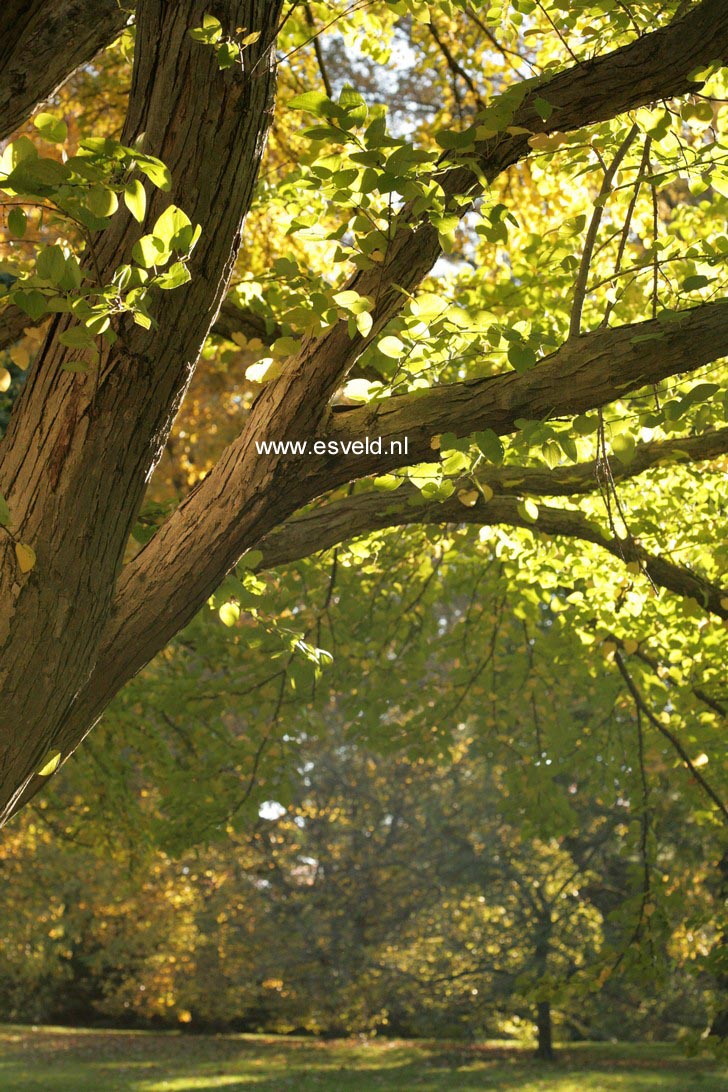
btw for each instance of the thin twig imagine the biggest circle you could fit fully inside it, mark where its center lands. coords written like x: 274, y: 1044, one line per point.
x: 591, y: 235
x: 318, y: 51
x: 672, y: 739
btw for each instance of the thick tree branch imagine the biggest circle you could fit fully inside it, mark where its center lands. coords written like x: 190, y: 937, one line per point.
x: 655, y: 66
x: 41, y: 44
x: 584, y: 374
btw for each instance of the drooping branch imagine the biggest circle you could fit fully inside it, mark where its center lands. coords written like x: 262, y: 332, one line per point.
x: 41, y: 44
x: 344, y: 519
x: 670, y: 737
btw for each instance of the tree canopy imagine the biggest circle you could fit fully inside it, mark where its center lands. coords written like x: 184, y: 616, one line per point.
x: 518, y: 269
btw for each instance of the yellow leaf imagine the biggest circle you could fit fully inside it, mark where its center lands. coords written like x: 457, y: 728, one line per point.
x: 701, y: 760
x: 468, y: 497
x: 486, y: 492
x: 21, y: 355
x: 631, y: 646
x: 435, y: 443
x: 25, y: 555
x: 51, y: 763
x: 5, y: 379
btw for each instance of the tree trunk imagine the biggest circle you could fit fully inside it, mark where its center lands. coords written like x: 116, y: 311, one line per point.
x: 80, y: 449
x: 545, y: 1048
x: 542, y: 948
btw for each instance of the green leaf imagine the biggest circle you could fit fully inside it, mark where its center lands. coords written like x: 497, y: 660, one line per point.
x: 251, y: 559
x: 452, y: 140
x: 313, y: 102
x: 227, y: 54
x: 36, y: 175
x: 135, y: 199
x: 4, y: 512
x: 34, y: 303
x: 528, y: 509
x: 155, y: 171
x: 209, y: 32
x: 17, y: 222
x: 364, y: 323
x: 170, y: 226
x: 51, y: 263
x: 76, y: 337
x: 101, y: 202
x: 543, y: 109
x: 490, y: 445
x: 522, y: 357
x: 551, y: 454
x: 692, y: 284
x: 285, y: 346
x: 148, y: 251
x: 351, y: 301
x: 624, y: 446
x: 229, y: 613
x: 701, y: 392
x: 176, y: 275
x: 51, y: 128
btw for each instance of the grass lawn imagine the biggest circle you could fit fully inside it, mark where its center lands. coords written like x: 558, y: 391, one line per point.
x: 64, y: 1060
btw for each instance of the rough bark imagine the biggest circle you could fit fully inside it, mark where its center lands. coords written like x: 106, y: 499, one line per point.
x: 41, y: 44
x: 79, y: 450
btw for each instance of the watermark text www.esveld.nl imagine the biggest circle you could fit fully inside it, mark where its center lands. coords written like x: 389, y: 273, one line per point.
x: 370, y: 445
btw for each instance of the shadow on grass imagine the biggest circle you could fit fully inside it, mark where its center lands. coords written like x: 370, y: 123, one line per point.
x: 56, y: 1060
